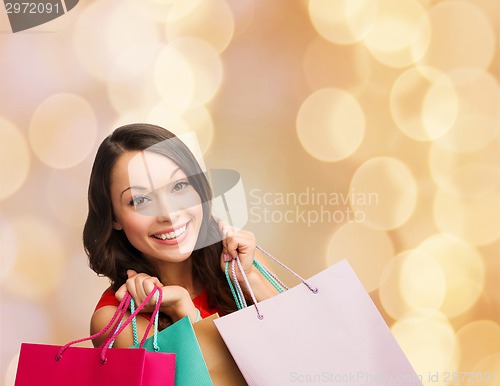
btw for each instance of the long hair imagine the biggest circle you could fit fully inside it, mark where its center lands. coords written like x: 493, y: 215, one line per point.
x: 109, y: 251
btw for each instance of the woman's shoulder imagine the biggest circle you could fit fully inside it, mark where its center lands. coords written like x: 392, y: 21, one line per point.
x: 108, y: 298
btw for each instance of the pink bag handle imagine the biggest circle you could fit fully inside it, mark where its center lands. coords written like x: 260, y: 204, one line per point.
x: 314, y: 290
x: 115, y: 321
x: 238, y: 288
x: 111, y: 338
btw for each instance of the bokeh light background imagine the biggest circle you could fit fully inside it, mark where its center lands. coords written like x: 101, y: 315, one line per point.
x: 388, y: 108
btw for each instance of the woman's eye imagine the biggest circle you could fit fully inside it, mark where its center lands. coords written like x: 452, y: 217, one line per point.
x: 138, y: 200
x: 179, y: 186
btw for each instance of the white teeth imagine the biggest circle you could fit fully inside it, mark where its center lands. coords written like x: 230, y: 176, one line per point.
x: 171, y: 235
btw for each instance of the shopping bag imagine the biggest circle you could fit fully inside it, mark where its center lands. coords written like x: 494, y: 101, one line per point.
x: 51, y: 365
x: 220, y: 363
x: 179, y: 338
x: 326, y: 330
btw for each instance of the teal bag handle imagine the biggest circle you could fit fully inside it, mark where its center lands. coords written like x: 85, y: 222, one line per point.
x: 269, y: 275
x: 155, y: 326
x: 236, y: 295
x: 134, y: 312
x: 156, y: 347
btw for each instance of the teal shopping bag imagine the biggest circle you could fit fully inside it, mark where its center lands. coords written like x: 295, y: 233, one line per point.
x: 179, y: 338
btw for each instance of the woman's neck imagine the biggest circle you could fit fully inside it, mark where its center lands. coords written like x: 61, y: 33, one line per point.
x: 180, y: 274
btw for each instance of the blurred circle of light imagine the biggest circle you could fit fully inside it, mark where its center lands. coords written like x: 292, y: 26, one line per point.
x: 66, y: 194
x: 385, y: 190
x: 187, y: 73
x: 155, y: 10
x: 39, y: 264
x: 14, y: 158
x: 131, y: 62
x: 211, y: 21
x: 343, y: 21
x: 489, y: 365
x: 422, y: 281
x: 428, y: 340
x: 63, y: 130
x: 347, y: 67
x: 478, y: 340
x: 401, y: 33
x: 474, y: 180
x: 462, y: 36
x: 478, y: 118
x: 111, y: 36
x: 10, y: 374
x: 243, y: 13
x: 433, y: 101
x: 465, y: 175
x: 399, y: 297
x: 463, y: 269
x: 131, y: 116
x: 9, y: 247
x: 197, y: 119
x: 31, y: 324
x: 180, y: 9
x: 367, y: 250
x: 330, y: 124
x: 134, y: 93
x: 476, y: 219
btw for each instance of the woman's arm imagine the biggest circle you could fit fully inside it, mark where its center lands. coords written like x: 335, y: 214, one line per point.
x: 101, y: 318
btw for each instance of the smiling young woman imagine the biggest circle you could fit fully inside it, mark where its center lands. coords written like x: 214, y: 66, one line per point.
x: 150, y: 224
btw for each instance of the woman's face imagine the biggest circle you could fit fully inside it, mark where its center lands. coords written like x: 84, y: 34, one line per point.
x: 155, y: 205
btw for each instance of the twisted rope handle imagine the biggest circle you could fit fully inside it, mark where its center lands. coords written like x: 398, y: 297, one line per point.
x: 235, y: 278
x: 314, y: 290
x: 155, y: 325
x: 118, y: 326
x: 236, y: 296
x: 105, y: 344
x: 119, y: 313
x: 239, y: 291
x: 269, y: 275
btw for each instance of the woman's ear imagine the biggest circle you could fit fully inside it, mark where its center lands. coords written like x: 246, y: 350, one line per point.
x: 116, y: 225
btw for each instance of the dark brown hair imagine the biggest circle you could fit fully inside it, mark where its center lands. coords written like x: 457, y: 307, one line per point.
x: 109, y: 251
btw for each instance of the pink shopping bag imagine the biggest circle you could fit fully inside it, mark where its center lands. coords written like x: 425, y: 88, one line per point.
x: 50, y: 365
x: 327, y: 331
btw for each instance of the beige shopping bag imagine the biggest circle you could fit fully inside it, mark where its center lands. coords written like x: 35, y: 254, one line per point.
x: 220, y: 363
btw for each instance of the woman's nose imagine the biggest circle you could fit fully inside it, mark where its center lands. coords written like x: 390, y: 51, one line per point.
x: 164, y: 208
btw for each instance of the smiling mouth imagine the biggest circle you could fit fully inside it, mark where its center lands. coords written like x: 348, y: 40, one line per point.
x: 171, y: 235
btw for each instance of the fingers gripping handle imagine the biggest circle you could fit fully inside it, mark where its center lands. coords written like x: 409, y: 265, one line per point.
x: 105, y: 344
x: 115, y: 323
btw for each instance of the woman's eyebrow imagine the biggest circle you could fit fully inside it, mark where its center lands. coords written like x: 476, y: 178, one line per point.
x: 133, y: 187
x: 143, y: 188
x: 175, y: 171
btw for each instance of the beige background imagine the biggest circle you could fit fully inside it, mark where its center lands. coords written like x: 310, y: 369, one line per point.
x: 365, y: 130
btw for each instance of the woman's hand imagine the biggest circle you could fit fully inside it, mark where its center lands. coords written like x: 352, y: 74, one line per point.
x: 237, y: 243
x: 176, y: 301
x: 240, y: 243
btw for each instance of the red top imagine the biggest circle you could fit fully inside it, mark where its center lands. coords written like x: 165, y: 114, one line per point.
x: 200, y: 302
